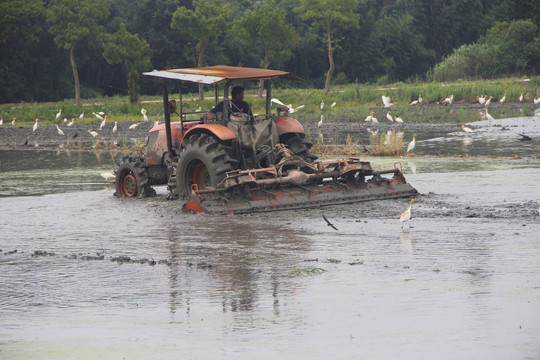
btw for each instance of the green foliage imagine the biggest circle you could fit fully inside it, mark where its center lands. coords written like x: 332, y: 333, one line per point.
x: 76, y: 20
x: 124, y: 46
x: 265, y: 28
x: 507, y: 48
x: 20, y: 20
x: 205, y: 23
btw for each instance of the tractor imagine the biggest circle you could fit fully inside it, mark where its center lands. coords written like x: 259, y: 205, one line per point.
x: 230, y: 162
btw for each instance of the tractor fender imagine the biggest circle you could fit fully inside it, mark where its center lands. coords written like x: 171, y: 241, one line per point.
x: 287, y: 125
x: 221, y: 132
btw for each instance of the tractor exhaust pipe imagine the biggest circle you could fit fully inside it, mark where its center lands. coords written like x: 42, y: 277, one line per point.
x: 167, y: 116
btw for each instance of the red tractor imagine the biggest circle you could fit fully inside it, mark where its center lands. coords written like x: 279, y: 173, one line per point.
x: 233, y: 163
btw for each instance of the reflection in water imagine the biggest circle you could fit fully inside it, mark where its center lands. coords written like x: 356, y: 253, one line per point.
x: 234, y: 260
x: 406, y: 244
x: 466, y: 142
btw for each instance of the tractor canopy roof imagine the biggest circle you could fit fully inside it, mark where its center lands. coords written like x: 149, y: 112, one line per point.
x: 211, y: 75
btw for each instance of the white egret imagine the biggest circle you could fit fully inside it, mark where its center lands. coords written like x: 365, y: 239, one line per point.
x: 398, y: 119
x: 481, y: 100
x: 103, y: 123
x: 449, y: 100
x: 406, y: 215
x: 520, y: 97
x: 13, y: 121
x: 1, y: 121
x: 369, y: 117
x: 71, y: 123
x: 488, y: 116
x: 333, y: 104
x: 134, y: 126
x: 488, y: 101
x: 65, y: 119
x: 60, y: 132
x: 143, y: 111
x: 293, y: 110
x: 420, y: 99
x: 412, y: 144
x: 98, y: 116
x: 466, y: 129
x: 503, y: 99
x: 320, y: 121
x: 115, y: 128
x: 156, y: 123
x: 93, y: 133
x: 82, y: 115
x: 274, y: 100
x: 35, y: 125
x: 386, y: 101
x: 389, y: 117
x: 59, y: 114
x: 322, y: 104
x: 108, y: 176
x: 536, y: 100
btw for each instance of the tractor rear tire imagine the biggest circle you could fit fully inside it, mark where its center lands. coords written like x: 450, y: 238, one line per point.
x: 132, y: 178
x: 203, y: 161
x: 298, y: 146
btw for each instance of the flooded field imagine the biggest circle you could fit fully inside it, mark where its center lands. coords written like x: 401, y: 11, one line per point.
x: 85, y: 275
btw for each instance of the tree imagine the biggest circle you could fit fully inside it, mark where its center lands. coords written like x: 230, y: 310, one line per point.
x: 329, y: 15
x: 204, y: 23
x: 266, y: 28
x: 124, y: 46
x: 75, y: 21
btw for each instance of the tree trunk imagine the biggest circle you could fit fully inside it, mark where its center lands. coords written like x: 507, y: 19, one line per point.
x: 133, y: 86
x: 330, y: 60
x: 75, y: 74
x: 266, y: 65
x: 202, y: 48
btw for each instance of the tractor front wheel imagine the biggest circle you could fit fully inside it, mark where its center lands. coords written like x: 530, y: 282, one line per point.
x: 132, y: 178
x: 203, y: 161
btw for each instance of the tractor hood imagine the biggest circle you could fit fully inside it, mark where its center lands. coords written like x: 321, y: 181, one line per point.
x: 215, y: 74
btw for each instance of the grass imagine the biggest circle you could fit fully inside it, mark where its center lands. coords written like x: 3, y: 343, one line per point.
x: 387, y: 144
x: 353, y: 102
x: 310, y: 270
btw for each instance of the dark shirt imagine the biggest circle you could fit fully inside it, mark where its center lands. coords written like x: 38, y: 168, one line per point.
x: 236, y: 106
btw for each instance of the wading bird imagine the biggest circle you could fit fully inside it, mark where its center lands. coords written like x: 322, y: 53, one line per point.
x: 503, y: 99
x: 524, y: 137
x: 412, y: 144
x: 520, y: 97
x: 406, y: 216
x: 322, y: 104
x: 1, y: 121
x: 398, y: 119
x: 65, y: 119
x: 82, y: 115
x: 13, y: 121
x: 35, y: 125
x: 71, y: 123
x: 481, y: 100
x: 389, y: 117
x: 369, y: 117
x: 488, y: 101
x: 93, y: 133
x: 108, y: 176
x: 416, y: 102
x: 143, y: 112
x: 134, y: 126
x: 320, y: 121
x: 449, y: 100
x: 59, y: 114
x: 466, y: 129
x: 386, y: 101
x: 536, y: 100
x: 115, y: 128
x: 488, y: 116
x: 103, y: 123
x: 98, y: 115
x: 333, y: 104
x: 60, y: 132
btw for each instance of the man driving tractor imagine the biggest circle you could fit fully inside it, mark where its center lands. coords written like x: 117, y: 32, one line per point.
x: 238, y: 105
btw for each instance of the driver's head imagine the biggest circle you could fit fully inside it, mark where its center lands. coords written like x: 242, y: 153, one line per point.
x: 237, y: 93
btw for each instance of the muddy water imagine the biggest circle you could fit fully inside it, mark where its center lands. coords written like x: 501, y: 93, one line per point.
x: 99, y: 277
